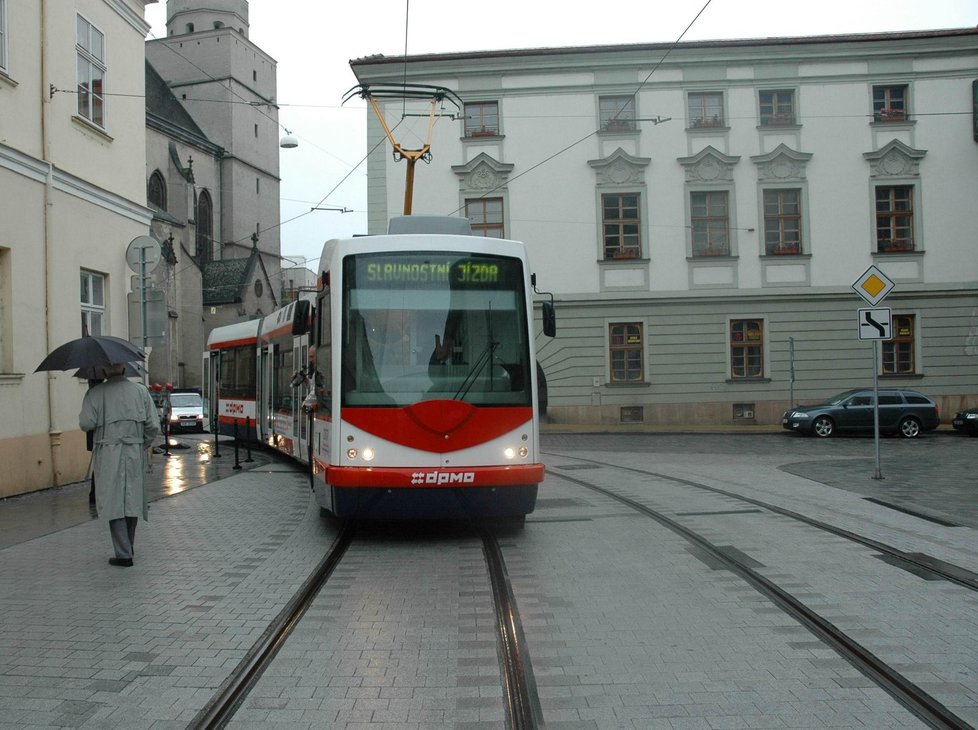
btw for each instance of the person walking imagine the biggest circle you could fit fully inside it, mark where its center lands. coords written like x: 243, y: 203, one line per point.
x: 125, y: 422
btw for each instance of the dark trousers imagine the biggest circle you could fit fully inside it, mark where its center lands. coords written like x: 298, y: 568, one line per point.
x: 123, y: 531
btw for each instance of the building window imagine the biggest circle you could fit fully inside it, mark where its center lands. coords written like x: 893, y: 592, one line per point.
x: 617, y: 113
x: 747, y: 348
x: 90, y: 51
x: 894, y: 219
x: 92, y: 303
x: 705, y: 109
x: 710, y: 223
x: 156, y: 191
x: 777, y: 107
x: 3, y: 35
x: 621, y: 223
x: 205, y: 228
x: 486, y: 216
x: 898, y: 352
x: 625, y: 352
x: 890, y: 104
x: 481, y: 119
x: 782, y: 221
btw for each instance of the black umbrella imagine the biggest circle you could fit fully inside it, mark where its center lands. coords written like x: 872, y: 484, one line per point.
x: 91, y: 352
x: 94, y: 372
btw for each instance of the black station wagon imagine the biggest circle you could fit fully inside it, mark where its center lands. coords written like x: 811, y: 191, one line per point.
x: 902, y: 411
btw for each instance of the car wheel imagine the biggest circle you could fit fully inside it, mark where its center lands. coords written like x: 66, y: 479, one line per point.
x: 823, y: 427
x: 909, y: 428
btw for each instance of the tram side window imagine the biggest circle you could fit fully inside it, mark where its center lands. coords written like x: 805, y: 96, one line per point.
x: 283, y: 368
x: 321, y: 353
x: 238, y: 373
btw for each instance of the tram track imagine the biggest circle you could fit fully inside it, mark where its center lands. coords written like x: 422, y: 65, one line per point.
x: 925, y: 563
x: 522, y: 704
x: 919, y: 702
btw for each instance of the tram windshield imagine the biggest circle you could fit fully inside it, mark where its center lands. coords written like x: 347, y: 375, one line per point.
x: 424, y: 326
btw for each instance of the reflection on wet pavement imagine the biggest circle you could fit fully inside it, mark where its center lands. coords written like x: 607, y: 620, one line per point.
x: 191, y: 462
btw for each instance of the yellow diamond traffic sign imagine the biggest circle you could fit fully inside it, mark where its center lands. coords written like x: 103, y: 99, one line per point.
x: 873, y: 285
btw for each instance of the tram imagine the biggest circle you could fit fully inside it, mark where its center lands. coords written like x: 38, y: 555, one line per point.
x: 406, y: 382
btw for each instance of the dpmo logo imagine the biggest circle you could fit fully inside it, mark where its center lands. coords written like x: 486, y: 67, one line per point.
x: 440, y: 478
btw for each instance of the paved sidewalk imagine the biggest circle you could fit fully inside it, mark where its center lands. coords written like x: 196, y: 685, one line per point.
x: 190, y: 463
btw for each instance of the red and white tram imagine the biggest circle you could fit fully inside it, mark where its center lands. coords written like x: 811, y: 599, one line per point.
x: 408, y: 382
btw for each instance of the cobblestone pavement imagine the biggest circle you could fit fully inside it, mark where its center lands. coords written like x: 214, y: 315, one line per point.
x: 935, y: 475
x: 628, y: 627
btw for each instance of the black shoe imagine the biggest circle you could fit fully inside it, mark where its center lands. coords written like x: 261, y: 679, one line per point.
x: 121, y: 562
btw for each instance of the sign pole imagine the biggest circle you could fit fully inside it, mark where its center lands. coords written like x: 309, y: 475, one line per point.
x: 874, y: 325
x: 791, y: 359
x: 876, y: 409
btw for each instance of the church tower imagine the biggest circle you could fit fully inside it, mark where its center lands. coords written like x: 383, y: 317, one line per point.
x: 187, y: 16
x: 229, y: 87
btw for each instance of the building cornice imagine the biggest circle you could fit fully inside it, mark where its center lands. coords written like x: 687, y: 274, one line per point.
x: 37, y: 171
x: 815, y: 43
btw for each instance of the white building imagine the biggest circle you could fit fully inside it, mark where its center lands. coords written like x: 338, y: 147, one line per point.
x: 72, y: 121
x: 700, y: 211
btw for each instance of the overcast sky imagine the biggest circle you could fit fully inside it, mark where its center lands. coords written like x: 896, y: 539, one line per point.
x: 314, y: 40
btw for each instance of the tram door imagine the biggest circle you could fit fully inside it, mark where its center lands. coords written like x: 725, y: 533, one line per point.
x: 300, y: 424
x: 266, y: 390
x: 208, y: 382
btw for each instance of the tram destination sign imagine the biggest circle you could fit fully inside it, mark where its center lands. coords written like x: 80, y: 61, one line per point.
x: 410, y: 271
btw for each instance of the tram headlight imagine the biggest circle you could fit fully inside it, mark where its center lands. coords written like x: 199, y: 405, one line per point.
x: 367, y: 454
x: 524, y: 452
x: 509, y: 452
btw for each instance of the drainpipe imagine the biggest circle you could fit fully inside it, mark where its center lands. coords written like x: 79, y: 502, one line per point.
x: 54, y: 435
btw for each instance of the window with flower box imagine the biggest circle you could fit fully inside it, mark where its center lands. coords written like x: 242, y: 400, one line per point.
x: 710, y: 223
x: 481, y: 119
x: 705, y: 109
x: 782, y: 221
x: 890, y: 103
x: 777, y: 107
x: 617, y: 113
x: 894, y: 219
x: 622, y: 225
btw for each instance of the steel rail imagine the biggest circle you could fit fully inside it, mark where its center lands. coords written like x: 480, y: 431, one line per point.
x: 923, y: 705
x: 941, y: 568
x: 222, y: 706
x: 519, y: 687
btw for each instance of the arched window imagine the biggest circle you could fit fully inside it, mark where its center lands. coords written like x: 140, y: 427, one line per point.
x: 156, y: 191
x: 205, y: 227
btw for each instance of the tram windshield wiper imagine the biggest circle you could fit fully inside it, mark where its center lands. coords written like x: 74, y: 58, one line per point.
x: 484, y: 359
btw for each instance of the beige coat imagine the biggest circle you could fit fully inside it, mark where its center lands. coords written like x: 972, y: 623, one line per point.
x: 125, y: 421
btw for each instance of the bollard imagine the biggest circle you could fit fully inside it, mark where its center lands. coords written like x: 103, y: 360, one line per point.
x: 166, y: 436
x: 248, y: 439
x: 237, y: 464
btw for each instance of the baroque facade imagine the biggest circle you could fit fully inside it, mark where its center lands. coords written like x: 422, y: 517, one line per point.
x: 702, y: 210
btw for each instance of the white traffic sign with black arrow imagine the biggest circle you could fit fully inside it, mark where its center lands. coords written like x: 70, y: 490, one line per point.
x: 876, y: 324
